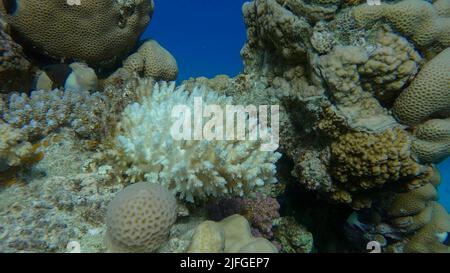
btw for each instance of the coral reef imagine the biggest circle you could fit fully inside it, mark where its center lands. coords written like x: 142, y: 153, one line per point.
x: 14, y: 147
x: 261, y: 212
x: 293, y: 237
x: 96, y: 32
x: 14, y: 67
x: 41, y: 112
x: 431, y: 83
x: 363, y: 94
x: 432, y: 140
x: 139, y: 218
x: 191, y: 168
x: 152, y: 61
x: 363, y: 161
x: 58, y: 202
x: 231, y: 235
x: 416, y: 19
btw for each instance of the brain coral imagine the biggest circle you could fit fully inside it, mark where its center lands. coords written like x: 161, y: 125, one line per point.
x: 428, y: 94
x: 97, y: 31
x: 152, y: 60
x: 432, y: 140
x: 192, y: 168
x: 416, y: 19
x: 139, y: 218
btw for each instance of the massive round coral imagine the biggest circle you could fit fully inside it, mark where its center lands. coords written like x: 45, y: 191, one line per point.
x: 428, y: 94
x: 96, y: 31
x: 139, y: 218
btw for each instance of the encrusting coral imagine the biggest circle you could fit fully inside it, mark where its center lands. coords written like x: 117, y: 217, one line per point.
x: 96, y: 32
x: 14, y: 147
x: 14, y: 67
x: 139, y: 218
x: 191, y: 168
x: 416, y: 19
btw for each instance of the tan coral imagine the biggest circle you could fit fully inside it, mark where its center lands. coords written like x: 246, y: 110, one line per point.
x: 14, y: 147
x: 139, y: 218
x: 428, y: 94
x: 432, y: 141
x: 152, y: 61
x: 271, y: 25
x: 97, y: 32
x: 390, y: 66
x: 412, y: 202
x: 432, y: 236
x: 231, y: 235
x: 416, y: 19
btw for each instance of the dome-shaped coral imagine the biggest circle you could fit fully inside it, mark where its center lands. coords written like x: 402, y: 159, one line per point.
x: 97, y: 31
x: 428, y: 94
x: 139, y: 218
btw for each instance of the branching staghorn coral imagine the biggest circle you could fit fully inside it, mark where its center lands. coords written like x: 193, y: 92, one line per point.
x: 42, y: 112
x: 193, y: 169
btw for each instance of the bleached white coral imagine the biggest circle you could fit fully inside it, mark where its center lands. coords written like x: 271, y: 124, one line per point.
x: 191, y: 168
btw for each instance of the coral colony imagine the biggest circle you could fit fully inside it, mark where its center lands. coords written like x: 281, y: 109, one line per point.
x: 326, y: 141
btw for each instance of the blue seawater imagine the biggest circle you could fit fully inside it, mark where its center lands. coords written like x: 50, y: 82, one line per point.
x: 206, y: 36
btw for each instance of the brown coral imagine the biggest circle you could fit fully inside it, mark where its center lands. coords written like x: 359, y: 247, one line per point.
x: 362, y: 161
x: 14, y: 67
x: 96, y: 32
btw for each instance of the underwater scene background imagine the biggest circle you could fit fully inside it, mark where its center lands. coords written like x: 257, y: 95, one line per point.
x: 216, y: 36
x: 358, y: 110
